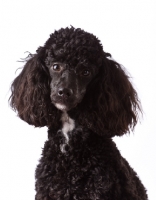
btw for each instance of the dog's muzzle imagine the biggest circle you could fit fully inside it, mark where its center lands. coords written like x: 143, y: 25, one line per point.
x: 64, y: 99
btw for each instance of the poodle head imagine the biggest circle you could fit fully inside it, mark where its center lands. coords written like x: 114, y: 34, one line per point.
x: 72, y: 73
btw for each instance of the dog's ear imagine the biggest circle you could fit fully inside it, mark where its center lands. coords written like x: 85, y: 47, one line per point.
x: 30, y: 95
x: 111, y: 101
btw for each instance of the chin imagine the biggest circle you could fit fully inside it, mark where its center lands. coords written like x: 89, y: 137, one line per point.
x: 64, y: 107
x: 61, y: 107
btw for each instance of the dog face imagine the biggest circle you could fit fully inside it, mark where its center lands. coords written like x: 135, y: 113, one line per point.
x: 69, y: 83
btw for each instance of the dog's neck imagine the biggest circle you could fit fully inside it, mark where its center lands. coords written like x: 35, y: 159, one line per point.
x: 68, y: 125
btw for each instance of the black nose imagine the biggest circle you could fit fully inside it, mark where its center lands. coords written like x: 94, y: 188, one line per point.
x: 65, y: 92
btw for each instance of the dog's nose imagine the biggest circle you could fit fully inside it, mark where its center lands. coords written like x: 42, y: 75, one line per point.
x: 65, y: 92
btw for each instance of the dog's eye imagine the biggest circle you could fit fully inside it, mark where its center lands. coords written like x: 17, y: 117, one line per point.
x: 85, y: 72
x: 56, y: 67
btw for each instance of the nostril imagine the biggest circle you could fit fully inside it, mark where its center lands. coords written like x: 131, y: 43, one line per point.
x: 68, y: 93
x: 60, y: 92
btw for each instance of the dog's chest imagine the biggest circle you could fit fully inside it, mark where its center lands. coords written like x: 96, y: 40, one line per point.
x: 68, y: 125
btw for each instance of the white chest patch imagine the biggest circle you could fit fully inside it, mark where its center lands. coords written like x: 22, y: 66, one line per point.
x: 68, y: 125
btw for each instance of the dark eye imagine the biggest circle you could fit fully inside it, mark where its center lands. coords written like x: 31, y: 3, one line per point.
x: 85, y: 72
x: 56, y: 67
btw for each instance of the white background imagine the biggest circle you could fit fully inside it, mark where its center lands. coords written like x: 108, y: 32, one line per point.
x: 127, y: 30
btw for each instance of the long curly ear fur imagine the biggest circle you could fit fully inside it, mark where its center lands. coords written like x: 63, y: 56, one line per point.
x: 31, y: 94
x: 111, y: 105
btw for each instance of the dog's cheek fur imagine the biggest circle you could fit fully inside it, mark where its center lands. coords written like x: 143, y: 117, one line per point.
x: 110, y: 106
x: 31, y: 95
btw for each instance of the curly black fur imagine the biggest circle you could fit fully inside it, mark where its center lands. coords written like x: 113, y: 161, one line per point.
x: 90, y: 167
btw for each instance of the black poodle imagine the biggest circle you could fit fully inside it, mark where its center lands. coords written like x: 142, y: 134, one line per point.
x: 84, y: 98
